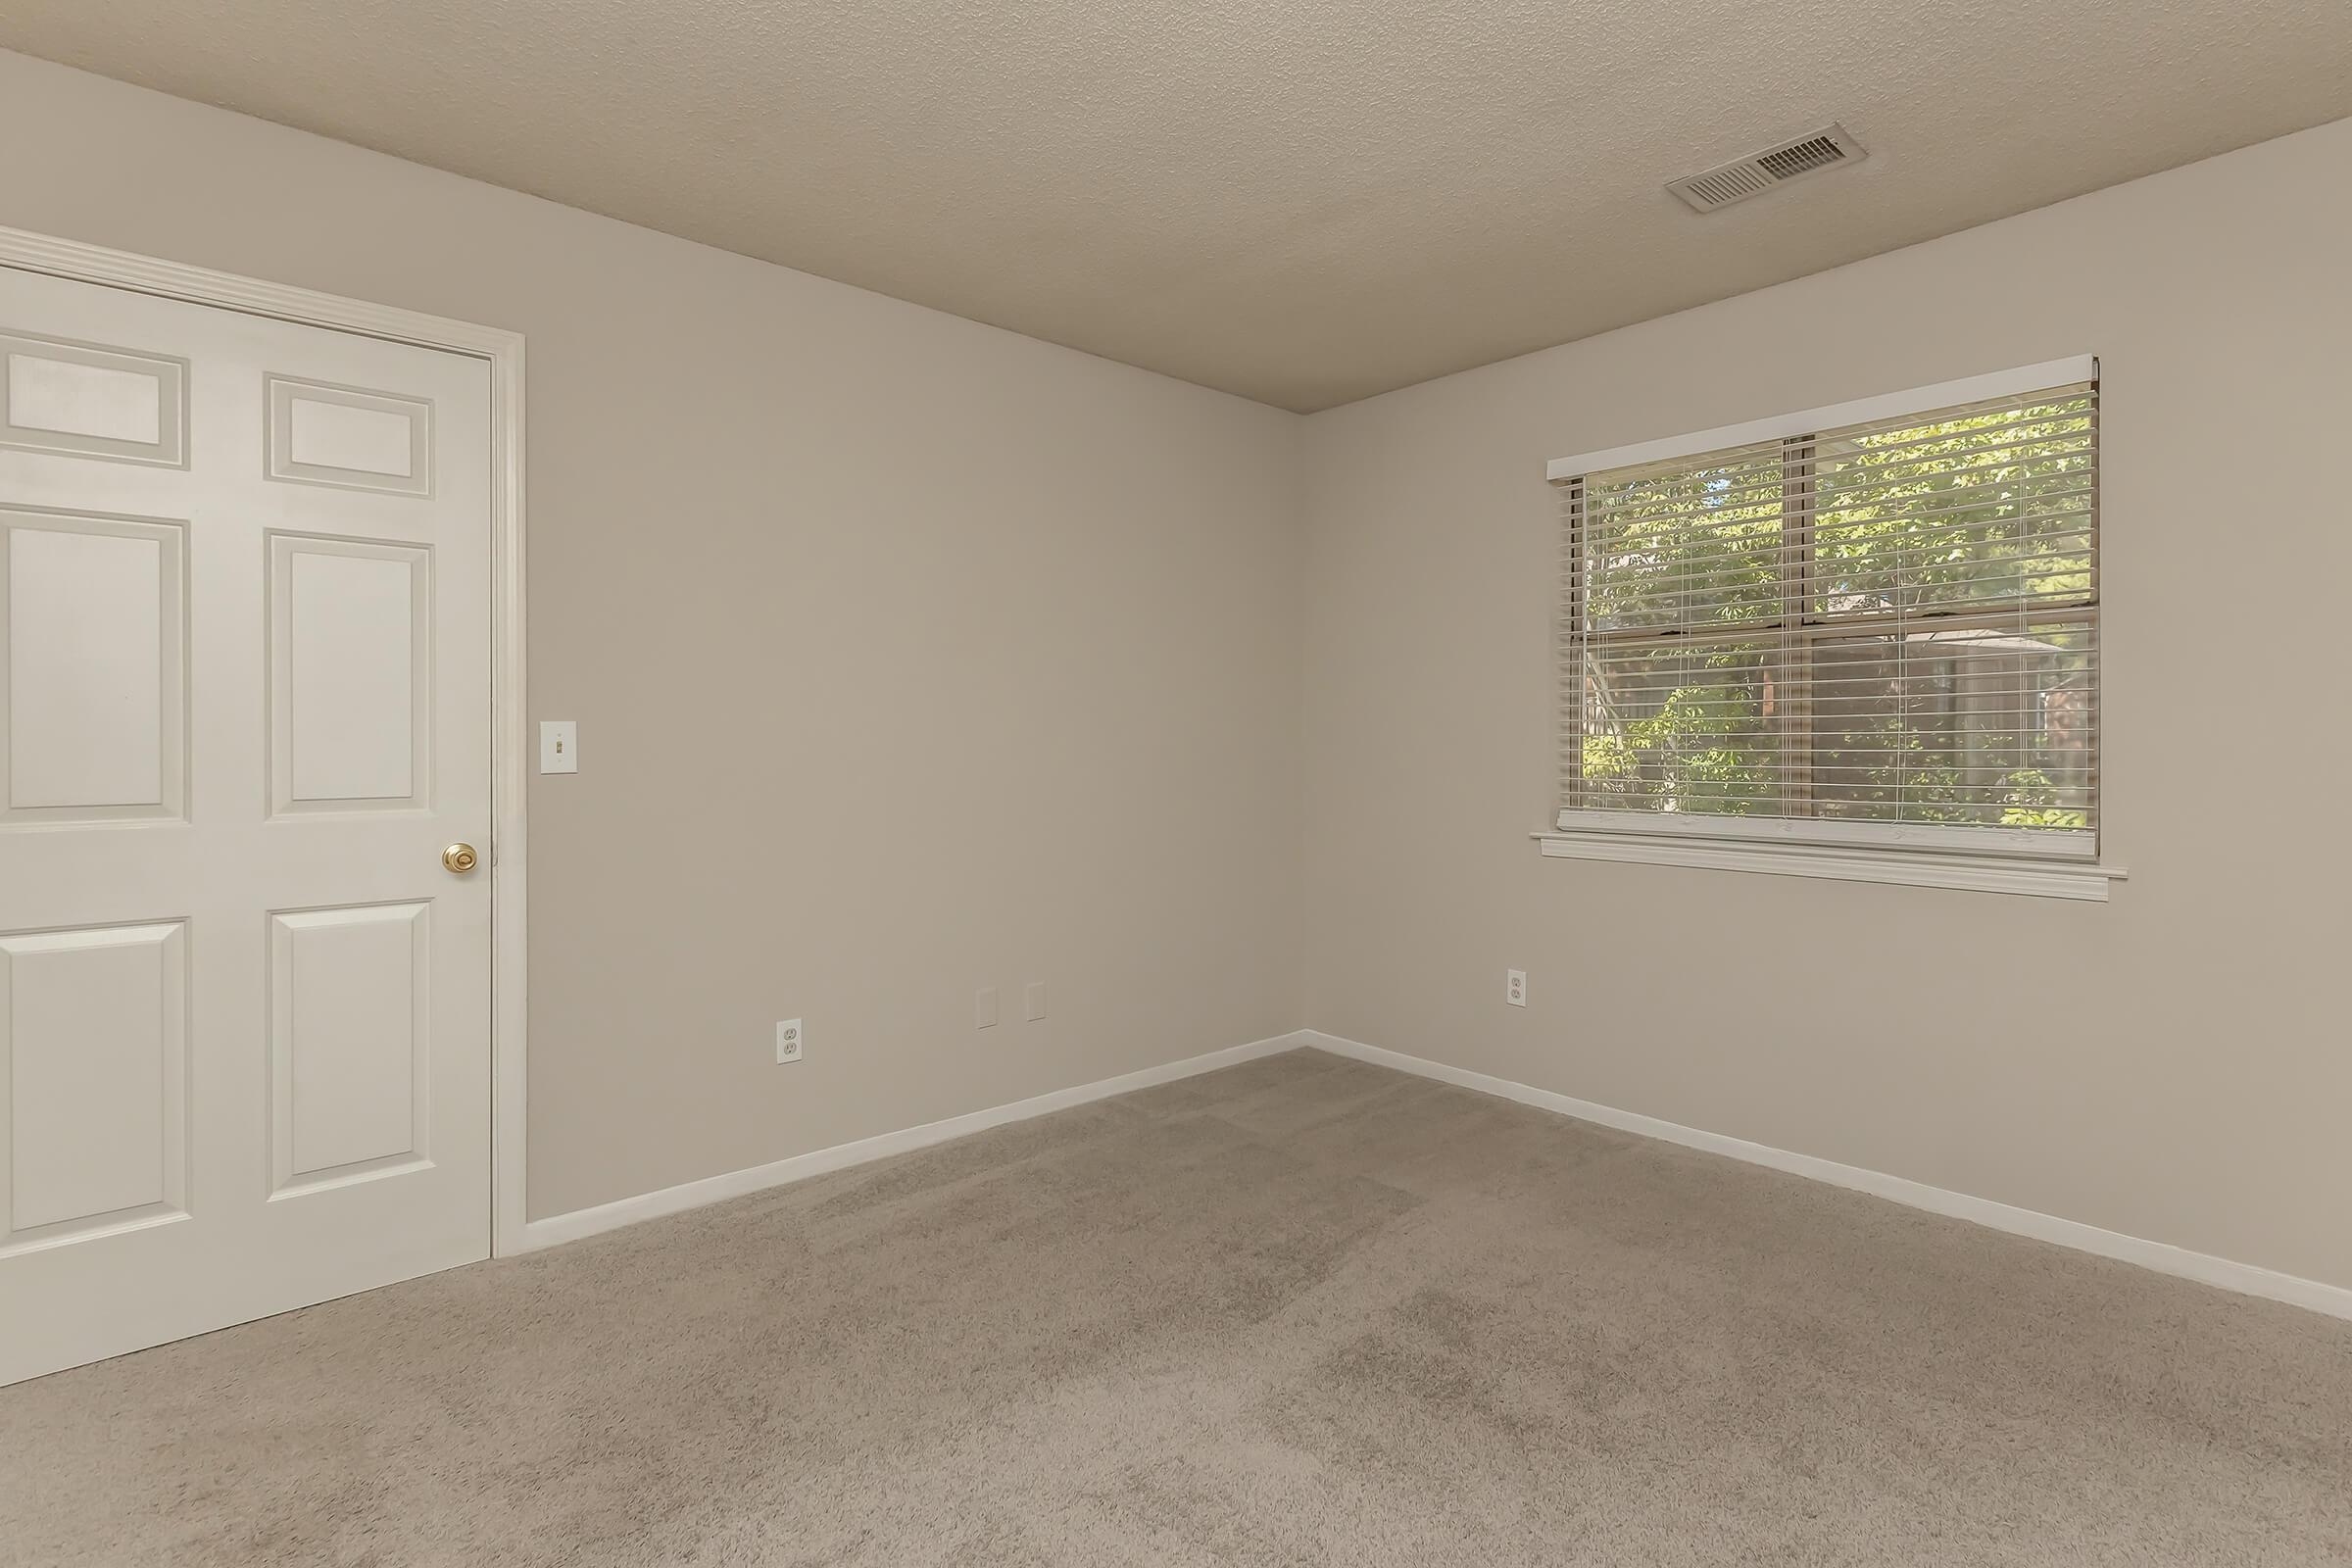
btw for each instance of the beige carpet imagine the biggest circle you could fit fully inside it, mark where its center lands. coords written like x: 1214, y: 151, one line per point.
x: 1302, y: 1311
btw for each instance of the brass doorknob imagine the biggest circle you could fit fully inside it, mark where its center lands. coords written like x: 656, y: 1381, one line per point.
x: 461, y: 858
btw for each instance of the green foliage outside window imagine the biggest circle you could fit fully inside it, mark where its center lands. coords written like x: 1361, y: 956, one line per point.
x: 1942, y: 665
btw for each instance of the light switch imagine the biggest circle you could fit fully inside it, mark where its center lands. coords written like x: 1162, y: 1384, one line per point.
x: 558, y: 746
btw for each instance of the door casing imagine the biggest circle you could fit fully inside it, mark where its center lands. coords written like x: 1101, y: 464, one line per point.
x: 510, y: 746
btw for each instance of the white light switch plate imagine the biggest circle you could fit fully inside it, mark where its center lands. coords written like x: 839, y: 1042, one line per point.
x: 1032, y: 1000
x: 558, y: 746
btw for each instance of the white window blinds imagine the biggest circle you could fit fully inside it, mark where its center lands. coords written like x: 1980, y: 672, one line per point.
x: 1884, y: 632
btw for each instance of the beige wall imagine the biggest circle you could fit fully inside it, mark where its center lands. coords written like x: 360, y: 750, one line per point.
x: 2174, y: 1064
x: 909, y: 655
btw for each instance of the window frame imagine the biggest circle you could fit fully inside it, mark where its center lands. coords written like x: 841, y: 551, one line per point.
x: 2057, y: 863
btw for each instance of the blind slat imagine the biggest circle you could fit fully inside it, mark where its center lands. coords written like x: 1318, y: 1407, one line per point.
x: 1736, y: 484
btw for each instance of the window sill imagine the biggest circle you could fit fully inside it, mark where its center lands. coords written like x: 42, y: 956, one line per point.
x: 2048, y: 879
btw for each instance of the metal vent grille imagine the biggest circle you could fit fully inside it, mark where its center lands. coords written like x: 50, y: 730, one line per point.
x: 1830, y: 147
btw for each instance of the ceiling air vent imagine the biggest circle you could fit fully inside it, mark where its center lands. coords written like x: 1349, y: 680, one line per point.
x: 1827, y: 148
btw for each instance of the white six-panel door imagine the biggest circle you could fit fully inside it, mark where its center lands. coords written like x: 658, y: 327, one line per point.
x: 244, y: 708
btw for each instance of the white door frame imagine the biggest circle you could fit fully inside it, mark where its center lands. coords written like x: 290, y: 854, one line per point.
x: 510, y: 752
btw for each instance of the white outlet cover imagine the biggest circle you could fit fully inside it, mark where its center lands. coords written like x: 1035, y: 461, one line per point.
x: 791, y: 1041
x: 1514, y: 986
x: 558, y: 746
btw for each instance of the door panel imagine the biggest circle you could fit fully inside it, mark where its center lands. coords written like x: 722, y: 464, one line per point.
x: 351, y: 693
x: 343, y: 435
x: 350, y: 1032
x: 93, y: 1033
x: 92, y: 401
x: 92, y: 668
x: 245, y: 668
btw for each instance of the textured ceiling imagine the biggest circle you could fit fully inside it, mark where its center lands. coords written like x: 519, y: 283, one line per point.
x: 1302, y: 201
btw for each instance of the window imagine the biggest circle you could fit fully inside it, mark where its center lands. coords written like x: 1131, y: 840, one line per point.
x: 1870, y: 628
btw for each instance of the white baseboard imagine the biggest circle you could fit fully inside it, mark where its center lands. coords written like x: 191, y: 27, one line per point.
x: 2246, y: 1278
x: 555, y: 1229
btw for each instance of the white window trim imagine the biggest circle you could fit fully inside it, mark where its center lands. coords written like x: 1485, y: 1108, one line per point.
x: 2039, y: 876
x: 1833, y: 833
x: 2029, y: 861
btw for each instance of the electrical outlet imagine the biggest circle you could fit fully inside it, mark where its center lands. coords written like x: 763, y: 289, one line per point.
x: 1034, y: 1000
x: 788, y: 1041
x: 1514, y: 986
x: 984, y: 1008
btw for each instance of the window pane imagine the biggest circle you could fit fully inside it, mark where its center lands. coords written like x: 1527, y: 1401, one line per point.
x: 1686, y: 727
x: 1979, y: 507
x: 1686, y: 548
x: 1983, y: 727
x: 1891, y: 620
